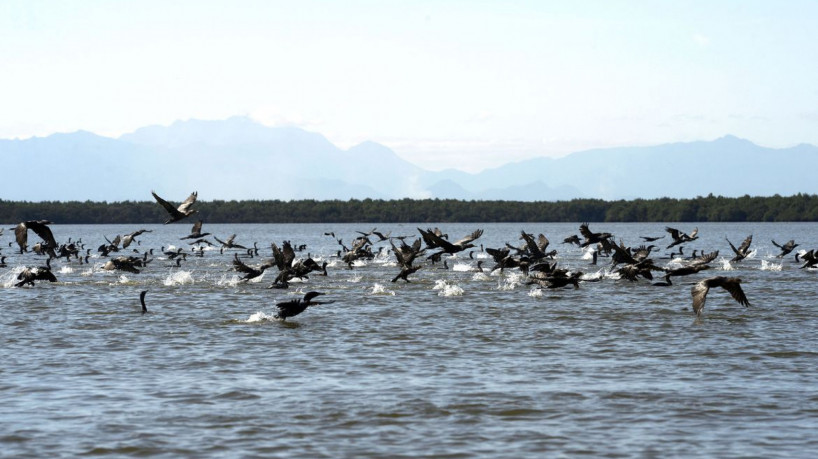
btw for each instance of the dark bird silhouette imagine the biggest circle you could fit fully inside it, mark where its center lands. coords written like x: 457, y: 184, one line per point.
x: 229, y: 244
x: 652, y: 238
x: 680, y: 237
x: 129, y: 264
x: 196, y: 232
x: 731, y: 284
x: 743, y: 250
x: 40, y: 227
x: 29, y: 275
x: 786, y: 248
x: 249, y: 271
x: 142, y: 300
x: 809, y: 259
x: 435, y: 241
x: 128, y: 238
x: 535, y: 249
x: 295, y: 307
x: 178, y: 213
x: 591, y: 237
x: 572, y: 239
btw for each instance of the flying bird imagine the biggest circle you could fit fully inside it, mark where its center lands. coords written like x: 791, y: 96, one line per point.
x: 295, y: 307
x: 731, y: 284
x: 178, y: 213
x: 680, y: 237
x: 40, y: 227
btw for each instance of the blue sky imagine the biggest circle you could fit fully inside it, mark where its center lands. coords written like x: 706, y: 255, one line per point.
x: 467, y: 84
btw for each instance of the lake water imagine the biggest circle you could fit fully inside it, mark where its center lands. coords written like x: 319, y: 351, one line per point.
x: 454, y: 364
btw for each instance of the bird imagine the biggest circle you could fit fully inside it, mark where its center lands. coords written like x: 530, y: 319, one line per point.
x: 228, y: 244
x: 731, y: 284
x: 680, y: 237
x: 40, y: 227
x: 592, y: 238
x: 295, y: 307
x: 178, y: 213
x: 29, y: 275
x: 196, y: 232
x: 126, y: 241
x: 743, y: 250
x: 142, y: 300
x: 786, y: 248
x: 249, y: 271
x: 433, y: 241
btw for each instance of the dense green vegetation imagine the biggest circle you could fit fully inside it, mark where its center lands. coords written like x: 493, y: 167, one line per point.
x: 801, y: 207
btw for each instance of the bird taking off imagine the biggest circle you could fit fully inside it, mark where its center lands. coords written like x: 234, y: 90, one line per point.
x: 177, y: 213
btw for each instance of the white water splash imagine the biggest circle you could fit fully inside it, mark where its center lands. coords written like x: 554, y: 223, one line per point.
x: 65, y: 270
x: 355, y: 279
x: 535, y: 293
x: 178, y: 278
x: 480, y: 277
x: 588, y: 253
x: 260, y: 317
x: 445, y: 288
x: 226, y: 281
x: 9, y: 278
x: 359, y: 263
x: 378, y: 289
x: 510, y: 282
x: 463, y: 267
x: 767, y: 266
x: 726, y: 265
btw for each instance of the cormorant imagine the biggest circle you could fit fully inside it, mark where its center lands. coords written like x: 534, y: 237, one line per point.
x: 142, y: 300
x: 786, y: 248
x: 178, y: 213
x: 680, y: 237
x: 294, y: 307
x: 731, y: 284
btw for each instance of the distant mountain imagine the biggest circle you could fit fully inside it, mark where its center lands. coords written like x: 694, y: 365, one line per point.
x: 239, y: 159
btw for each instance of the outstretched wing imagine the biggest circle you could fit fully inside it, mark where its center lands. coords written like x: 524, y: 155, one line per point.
x: 168, y: 206
x: 185, y: 206
x: 699, y: 293
x: 469, y: 238
x: 43, y: 231
x: 746, y: 244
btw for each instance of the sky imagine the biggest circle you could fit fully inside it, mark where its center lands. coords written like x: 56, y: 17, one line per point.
x: 445, y: 84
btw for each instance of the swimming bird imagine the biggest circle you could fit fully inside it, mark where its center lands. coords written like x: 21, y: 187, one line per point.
x: 40, y: 227
x: 142, y: 300
x: 786, y: 248
x: 295, y: 307
x: 680, y: 237
x: 178, y: 213
x: 731, y: 284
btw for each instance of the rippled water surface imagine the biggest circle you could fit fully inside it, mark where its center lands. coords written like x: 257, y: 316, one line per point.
x: 454, y: 364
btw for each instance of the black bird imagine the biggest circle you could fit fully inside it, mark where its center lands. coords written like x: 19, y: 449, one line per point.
x: 249, y: 271
x: 142, y: 300
x: 40, y: 227
x: 295, y: 307
x: 178, y: 213
x: 651, y: 238
x: 228, y: 244
x: 743, y: 250
x: 731, y: 284
x: 435, y: 241
x: 572, y: 239
x: 592, y: 238
x: 786, y: 248
x: 680, y: 237
x: 196, y: 232
x: 29, y: 275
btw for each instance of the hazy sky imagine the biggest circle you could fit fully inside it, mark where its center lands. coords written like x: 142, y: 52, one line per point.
x: 468, y: 84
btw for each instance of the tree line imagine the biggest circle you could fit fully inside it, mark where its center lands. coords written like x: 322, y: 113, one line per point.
x: 797, y: 208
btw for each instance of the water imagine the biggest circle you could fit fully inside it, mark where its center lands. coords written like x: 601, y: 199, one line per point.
x: 454, y: 364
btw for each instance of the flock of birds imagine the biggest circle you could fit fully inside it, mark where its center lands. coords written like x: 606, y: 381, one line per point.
x: 532, y: 257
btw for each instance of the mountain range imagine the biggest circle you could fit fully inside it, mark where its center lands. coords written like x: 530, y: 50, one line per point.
x: 239, y: 159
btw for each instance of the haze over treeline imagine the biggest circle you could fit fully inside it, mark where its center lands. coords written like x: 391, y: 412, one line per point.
x: 240, y: 159
x: 800, y: 207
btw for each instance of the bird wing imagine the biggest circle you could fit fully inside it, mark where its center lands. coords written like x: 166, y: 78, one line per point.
x: 240, y: 266
x: 21, y: 233
x: 185, y: 206
x: 694, y: 233
x: 531, y: 244
x: 469, y: 238
x: 733, y: 247
x: 699, y: 293
x: 776, y: 244
x: 289, y: 253
x: 746, y: 244
x: 585, y: 231
x: 43, y: 231
x: 197, y: 228
x: 168, y: 206
x: 733, y: 285
x: 674, y: 233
